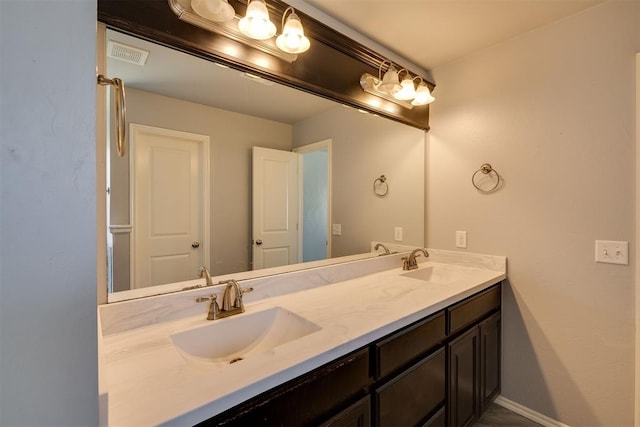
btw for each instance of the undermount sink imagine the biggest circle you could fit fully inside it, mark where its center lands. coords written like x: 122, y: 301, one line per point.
x: 440, y: 273
x: 240, y: 336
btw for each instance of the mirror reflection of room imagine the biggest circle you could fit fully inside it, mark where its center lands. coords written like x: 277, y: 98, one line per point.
x: 192, y: 192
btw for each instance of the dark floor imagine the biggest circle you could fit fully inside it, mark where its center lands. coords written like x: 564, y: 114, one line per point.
x: 496, y: 415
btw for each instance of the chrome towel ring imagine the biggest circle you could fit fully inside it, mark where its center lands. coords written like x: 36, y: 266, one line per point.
x: 381, y: 186
x: 486, y: 169
x: 121, y: 111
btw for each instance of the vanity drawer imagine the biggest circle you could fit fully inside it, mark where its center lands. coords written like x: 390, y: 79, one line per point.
x: 473, y: 309
x: 408, y: 344
x: 410, y: 397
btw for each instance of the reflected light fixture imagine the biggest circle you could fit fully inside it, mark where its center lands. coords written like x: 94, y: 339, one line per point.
x: 423, y: 94
x: 402, y: 92
x: 214, y: 10
x: 292, y: 39
x: 407, y: 91
x: 256, y: 23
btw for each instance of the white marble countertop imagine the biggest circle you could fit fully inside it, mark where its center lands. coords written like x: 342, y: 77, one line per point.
x: 149, y: 382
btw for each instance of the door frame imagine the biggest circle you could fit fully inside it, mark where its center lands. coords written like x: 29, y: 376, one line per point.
x: 205, y: 195
x: 315, y: 146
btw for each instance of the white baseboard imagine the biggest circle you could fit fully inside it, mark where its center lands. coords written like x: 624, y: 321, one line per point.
x: 528, y: 413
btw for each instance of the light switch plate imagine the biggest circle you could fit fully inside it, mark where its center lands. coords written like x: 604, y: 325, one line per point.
x: 397, y: 234
x: 612, y: 252
x: 336, y: 229
x: 461, y: 239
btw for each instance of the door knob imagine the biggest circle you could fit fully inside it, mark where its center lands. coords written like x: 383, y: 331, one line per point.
x: 258, y: 242
x: 195, y: 245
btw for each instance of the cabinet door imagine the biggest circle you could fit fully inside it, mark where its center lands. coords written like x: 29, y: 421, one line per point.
x: 409, y: 398
x: 463, y: 402
x: 356, y: 415
x: 489, y: 360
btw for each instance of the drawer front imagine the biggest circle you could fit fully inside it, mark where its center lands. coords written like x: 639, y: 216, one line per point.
x: 410, y: 397
x: 438, y: 419
x: 408, y: 344
x: 356, y: 415
x: 473, y: 309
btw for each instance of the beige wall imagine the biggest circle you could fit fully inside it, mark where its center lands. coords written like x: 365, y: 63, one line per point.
x: 553, y: 111
x: 365, y: 147
x: 48, y: 320
x: 232, y: 137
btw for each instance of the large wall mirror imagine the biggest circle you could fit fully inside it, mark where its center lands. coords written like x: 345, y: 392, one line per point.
x: 231, y: 139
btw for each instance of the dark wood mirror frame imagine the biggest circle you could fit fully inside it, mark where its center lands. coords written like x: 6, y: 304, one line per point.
x: 331, y: 68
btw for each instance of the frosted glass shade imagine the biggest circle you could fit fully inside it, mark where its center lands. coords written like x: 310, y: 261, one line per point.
x: 256, y: 23
x: 292, y: 39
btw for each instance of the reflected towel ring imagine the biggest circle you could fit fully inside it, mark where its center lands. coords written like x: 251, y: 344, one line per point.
x: 121, y: 111
x: 382, y: 188
x: 486, y: 169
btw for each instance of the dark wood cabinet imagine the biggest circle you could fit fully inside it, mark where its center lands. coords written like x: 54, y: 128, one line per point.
x: 443, y: 370
x: 356, y: 415
x: 473, y: 357
x: 409, y: 398
x: 490, y: 348
x: 463, y: 379
x: 307, y: 400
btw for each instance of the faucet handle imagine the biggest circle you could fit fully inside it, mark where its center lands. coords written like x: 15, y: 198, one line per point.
x: 212, y: 298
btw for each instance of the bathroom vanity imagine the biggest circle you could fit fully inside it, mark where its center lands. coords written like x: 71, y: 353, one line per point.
x: 387, y: 347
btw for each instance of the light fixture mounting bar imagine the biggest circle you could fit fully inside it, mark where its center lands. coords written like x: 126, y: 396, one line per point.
x: 370, y: 83
x: 230, y: 30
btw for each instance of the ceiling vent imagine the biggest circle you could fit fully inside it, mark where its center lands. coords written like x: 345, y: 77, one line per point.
x: 127, y: 53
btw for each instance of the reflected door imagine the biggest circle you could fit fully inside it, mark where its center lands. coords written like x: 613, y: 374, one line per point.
x: 169, y: 176
x: 275, y: 208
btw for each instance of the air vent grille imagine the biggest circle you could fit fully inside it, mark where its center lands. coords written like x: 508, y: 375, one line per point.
x: 127, y: 53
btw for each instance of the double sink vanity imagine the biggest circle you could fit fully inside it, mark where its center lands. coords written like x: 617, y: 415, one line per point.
x: 359, y: 343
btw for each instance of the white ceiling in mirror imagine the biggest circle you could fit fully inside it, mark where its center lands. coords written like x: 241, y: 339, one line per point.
x: 178, y: 75
x: 433, y: 32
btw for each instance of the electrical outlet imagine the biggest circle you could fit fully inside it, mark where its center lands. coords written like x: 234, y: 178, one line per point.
x: 336, y: 229
x: 461, y: 239
x: 612, y: 252
x: 397, y: 234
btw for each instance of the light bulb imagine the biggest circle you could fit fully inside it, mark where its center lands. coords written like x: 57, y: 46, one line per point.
x: 407, y: 91
x: 423, y: 95
x: 292, y: 39
x: 256, y: 23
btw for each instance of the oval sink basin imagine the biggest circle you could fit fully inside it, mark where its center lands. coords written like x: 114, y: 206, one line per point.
x: 234, y: 338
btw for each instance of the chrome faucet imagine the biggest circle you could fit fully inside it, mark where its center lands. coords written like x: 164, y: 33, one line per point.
x: 410, y: 262
x: 205, y: 273
x: 382, y: 245
x: 231, y: 300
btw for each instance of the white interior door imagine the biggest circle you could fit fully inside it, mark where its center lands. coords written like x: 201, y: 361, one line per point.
x: 275, y: 208
x: 170, y: 190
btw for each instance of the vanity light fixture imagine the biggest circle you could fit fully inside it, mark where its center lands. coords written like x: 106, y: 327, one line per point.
x: 256, y: 23
x: 214, y: 10
x: 292, y: 39
x: 390, y: 87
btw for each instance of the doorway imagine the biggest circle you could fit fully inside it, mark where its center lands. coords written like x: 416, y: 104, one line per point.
x: 315, y: 200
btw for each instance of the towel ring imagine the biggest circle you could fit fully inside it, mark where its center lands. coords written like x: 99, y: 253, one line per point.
x: 382, y: 188
x: 486, y: 169
x: 121, y: 111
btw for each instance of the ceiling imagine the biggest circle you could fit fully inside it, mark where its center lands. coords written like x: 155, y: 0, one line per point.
x: 428, y: 33
x: 433, y: 32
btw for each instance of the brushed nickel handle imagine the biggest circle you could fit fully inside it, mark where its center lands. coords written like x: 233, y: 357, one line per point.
x: 195, y: 245
x: 258, y: 242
